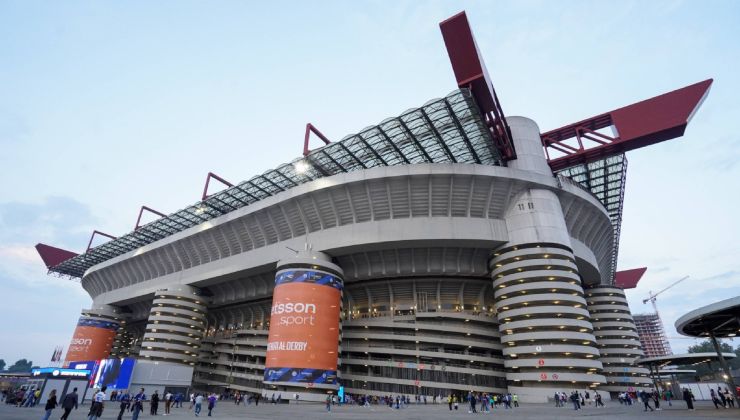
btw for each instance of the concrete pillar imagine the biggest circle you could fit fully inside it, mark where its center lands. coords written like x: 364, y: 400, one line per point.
x: 175, y: 326
x: 617, y: 338
x: 305, y: 329
x: 545, y: 326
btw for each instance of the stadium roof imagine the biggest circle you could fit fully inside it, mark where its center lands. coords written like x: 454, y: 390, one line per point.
x: 446, y: 130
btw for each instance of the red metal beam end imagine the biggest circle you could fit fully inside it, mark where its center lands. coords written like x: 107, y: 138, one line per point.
x: 53, y: 256
x: 470, y: 72
x: 628, y: 279
x: 97, y: 232
x: 311, y: 129
x: 141, y: 212
x: 644, y: 123
x: 208, y: 180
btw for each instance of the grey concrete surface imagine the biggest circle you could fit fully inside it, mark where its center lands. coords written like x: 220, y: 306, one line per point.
x: 308, y: 411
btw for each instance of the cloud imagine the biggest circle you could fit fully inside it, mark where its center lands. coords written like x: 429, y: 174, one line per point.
x: 58, y: 221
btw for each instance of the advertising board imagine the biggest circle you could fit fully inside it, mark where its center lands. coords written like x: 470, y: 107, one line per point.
x: 304, y: 327
x: 92, y: 340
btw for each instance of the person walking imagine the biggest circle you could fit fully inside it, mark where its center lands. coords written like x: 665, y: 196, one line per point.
x: 69, y: 402
x: 167, y: 403
x: 211, y: 403
x: 656, y: 399
x: 198, y: 404
x: 51, y: 403
x: 96, y: 408
x: 154, y: 404
x: 328, y: 404
x: 714, y: 398
x: 597, y: 399
x: 646, y: 400
x: 688, y: 399
x: 138, y: 404
x: 125, y: 403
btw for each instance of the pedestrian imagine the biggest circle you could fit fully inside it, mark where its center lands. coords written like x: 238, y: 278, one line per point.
x: 729, y: 398
x: 720, y: 394
x: 714, y: 398
x: 211, y: 403
x: 646, y: 400
x: 688, y: 399
x: 668, y: 397
x: 328, y: 404
x: 125, y: 404
x: 198, y: 404
x: 69, y: 402
x: 449, y: 401
x: 167, y: 403
x: 51, y: 403
x: 597, y: 399
x: 154, y: 404
x: 96, y: 408
x: 138, y: 405
x: 656, y: 399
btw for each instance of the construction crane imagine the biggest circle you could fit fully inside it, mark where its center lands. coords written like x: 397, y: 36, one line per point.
x: 652, y: 296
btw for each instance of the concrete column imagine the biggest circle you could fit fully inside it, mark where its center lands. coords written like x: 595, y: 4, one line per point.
x: 617, y: 338
x: 175, y: 326
x: 305, y: 329
x: 545, y: 326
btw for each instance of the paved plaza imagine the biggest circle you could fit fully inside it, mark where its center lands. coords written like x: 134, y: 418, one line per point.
x: 309, y: 411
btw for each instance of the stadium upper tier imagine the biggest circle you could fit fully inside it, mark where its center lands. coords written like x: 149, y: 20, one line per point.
x: 446, y: 130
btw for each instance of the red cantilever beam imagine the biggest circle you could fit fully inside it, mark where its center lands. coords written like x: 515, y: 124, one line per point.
x: 628, y: 279
x: 470, y: 72
x: 208, y: 180
x: 651, y: 121
x: 311, y: 129
x: 53, y: 256
x: 141, y: 212
x: 97, y: 232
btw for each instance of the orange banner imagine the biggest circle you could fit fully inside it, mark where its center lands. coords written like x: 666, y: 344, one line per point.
x: 304, y: 327
x: 90, y: 343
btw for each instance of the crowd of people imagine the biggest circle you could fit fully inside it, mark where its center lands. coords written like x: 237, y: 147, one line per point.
x: 475, y: 401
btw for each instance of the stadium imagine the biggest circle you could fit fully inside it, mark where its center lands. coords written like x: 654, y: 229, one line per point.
x: 445, y: 250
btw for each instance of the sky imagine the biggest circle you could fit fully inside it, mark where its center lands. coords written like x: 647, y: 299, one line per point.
x: 106, y: 106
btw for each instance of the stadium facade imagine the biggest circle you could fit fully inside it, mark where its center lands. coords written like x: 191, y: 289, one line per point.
x: 441, y: 251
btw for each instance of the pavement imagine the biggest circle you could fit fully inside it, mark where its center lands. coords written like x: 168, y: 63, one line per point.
x: 227, y: 410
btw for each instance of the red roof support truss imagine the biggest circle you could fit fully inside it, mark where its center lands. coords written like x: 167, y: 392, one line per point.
x: 150, y: 210
x: 205, y: 189
x: 651, y: 121
x: 311, y: 129
x: 97, y: 232
x: 470, y: 72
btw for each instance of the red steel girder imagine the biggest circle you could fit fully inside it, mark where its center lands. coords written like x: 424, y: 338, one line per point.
x: 97, y: 232
x: 53, y: 256
x: 150, y: 210
x: 651, y: 121
x: 628, y: 279
x: 208, y: 181
x: 470, y: 72
x: 311, y: 129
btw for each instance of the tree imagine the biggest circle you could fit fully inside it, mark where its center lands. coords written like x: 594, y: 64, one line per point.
x: 706, y: 346
x: 22, y: 365
x: 2, y: 364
